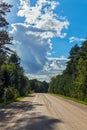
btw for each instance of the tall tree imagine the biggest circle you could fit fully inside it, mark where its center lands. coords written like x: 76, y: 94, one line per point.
x: 73, y: 81
x: 5, y: 39
x: 73, y: 59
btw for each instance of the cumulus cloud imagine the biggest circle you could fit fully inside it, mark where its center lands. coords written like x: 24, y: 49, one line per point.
x: 33, y: 37
x: 42, y: 17
x: 54, y: 67
x: 76, y: 39
x: 31, y: 47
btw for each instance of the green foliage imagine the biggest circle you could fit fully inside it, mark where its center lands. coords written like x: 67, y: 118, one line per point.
x: 5, y: 39
x: 73, y: 81
x: 11, y: 73
x: 10, y: 93
x: 14, y: 59
x: 38, y: 86
x: 23, y: 85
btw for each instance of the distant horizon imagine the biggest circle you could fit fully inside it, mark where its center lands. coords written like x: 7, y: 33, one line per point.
x: 43, y: 30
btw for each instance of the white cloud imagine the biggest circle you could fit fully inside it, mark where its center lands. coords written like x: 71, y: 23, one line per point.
x: 34, y: 36
x: 76, y: 39
x: 41, y: 16
x: 53, y: 67
x: 57, y: 64
x: 40, y: 77
x: 27, y: 11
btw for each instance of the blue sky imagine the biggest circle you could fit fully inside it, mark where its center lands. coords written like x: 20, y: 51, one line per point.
x: 44, y: 32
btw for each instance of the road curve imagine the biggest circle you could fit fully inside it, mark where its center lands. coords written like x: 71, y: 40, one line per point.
x: 44, y: 112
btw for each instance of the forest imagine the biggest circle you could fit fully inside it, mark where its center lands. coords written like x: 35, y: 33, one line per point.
x: 73, y: 81
x: 13, y: 81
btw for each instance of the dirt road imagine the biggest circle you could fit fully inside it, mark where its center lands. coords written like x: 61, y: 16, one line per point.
x: 44, y: 112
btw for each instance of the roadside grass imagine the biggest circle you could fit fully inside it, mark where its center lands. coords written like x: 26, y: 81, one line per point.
x: 19, y: 99
x: 72, y: 99
x: 10, y: 102
x: 16, y: 100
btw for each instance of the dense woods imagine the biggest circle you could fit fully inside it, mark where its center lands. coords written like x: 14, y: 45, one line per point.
x: 38, y: 86
x: 73, y: 81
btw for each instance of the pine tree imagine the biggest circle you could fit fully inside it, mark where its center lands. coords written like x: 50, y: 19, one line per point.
x: 5, y: 39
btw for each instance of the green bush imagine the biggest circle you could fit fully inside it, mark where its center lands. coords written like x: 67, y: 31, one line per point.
x: 10, y: 93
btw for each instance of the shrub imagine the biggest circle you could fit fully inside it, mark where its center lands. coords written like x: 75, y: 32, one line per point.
x: 10, y: 93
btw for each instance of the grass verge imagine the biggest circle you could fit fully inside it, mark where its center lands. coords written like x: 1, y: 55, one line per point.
x: 19, y: 99
x: 72, y: 99
x: 10, y: 101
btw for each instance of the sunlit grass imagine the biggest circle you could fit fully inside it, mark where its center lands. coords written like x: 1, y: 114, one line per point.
x: 19, y: 98
x: 11, y: 101
x: 16, y: 100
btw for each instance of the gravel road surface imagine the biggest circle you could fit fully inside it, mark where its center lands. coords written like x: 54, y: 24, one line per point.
x: 44, y: 112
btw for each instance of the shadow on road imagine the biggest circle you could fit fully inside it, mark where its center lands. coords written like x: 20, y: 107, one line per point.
x: 37, y: 123
x: 22, y: 116
x: 9, y: 111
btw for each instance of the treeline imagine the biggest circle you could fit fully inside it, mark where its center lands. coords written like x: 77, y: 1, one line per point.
x: 38, y: 86
x: 13, y: 82
x: 73, y: 81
